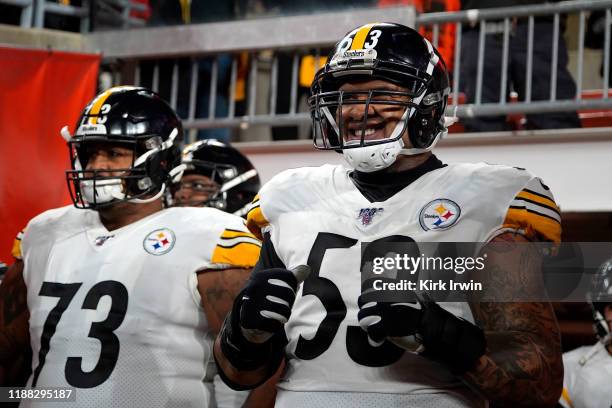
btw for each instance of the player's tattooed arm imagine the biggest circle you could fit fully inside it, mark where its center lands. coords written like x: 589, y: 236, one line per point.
x: 14, y: 331
x: 523, y: 363
x: 218, y: 288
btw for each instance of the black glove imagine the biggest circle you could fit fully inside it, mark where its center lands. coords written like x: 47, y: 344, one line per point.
x: 252, y: 334
x: 397, y: 320
x: 266, y: 302
x: 444, y: 337
x: 449, y: 339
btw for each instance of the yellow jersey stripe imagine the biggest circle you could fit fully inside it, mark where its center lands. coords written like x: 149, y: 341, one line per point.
x: 545, y: 226
x: 16, y: 249
x: 232, y: 242
x: 242, y: 255
x: 256, y: 221
x: 566, y: 397
x: 230, y: 233
x: 538, y: 199
x: 361, y: 36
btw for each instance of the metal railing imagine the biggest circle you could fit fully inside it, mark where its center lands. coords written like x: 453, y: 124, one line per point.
x: 33, y: 12
x: 204, y: 43
x: 311, y: 35
x: 480, y: 17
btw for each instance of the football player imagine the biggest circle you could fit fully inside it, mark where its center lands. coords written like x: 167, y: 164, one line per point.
x: 380, y: 101
x: 124, y: 296
x: 588, y: 370
x: 219, y: 176
x: 216, y: 175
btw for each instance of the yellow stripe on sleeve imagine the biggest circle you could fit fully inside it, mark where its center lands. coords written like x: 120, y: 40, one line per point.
x: 545, y: 201
x: 535, y: 225
x: 230, y: 233
x: 242, y: 255
x: 255, y: 218
x: 16, y: 249
x: 361, y: 36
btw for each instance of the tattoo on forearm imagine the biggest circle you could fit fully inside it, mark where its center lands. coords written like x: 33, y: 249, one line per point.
x: 523, y: 362
x: 219, y: 292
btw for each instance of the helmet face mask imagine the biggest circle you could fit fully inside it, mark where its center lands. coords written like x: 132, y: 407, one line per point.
x: 128, y: 117
x: 339, y: 128
x: 207, y: 186
x: 389, y: 53
x: 236, y: 180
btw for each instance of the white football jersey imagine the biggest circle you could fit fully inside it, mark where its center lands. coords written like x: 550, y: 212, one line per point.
x: 117, y: 315
x: 317, y: 216
x: 586, y: 378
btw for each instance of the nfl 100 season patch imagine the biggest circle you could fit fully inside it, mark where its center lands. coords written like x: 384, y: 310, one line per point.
x: 367, y: 214
x: 159, y: 242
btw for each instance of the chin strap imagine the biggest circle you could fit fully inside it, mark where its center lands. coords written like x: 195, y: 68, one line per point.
x: 175, y: 175
x: 150, y: 199
x: 414, y: 151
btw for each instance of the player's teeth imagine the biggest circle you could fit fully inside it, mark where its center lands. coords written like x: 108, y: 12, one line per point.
x: 367, y: 132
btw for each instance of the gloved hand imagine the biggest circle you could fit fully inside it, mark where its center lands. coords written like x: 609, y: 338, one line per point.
x: 444, y: 337
x: 397, y: 321
x: 266, y: 301
x: 252, y: 331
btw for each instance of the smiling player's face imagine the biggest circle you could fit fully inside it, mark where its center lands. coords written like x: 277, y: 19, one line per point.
x: 382, y: 118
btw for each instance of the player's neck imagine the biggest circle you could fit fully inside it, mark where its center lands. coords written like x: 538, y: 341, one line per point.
x: 123, y: 214
x: 404, y: 162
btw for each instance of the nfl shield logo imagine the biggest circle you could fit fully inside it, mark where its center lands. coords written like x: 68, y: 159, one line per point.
x: 366, y: 214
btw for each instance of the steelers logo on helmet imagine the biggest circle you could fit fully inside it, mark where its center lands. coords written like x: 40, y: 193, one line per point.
x: 131, y: 118
x: 368, y: 125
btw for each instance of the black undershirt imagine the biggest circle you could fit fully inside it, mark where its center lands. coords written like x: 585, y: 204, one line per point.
x: 382, y: 185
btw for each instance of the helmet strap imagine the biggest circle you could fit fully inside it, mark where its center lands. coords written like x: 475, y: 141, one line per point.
x: 150, y: 199
x: 238, y: 180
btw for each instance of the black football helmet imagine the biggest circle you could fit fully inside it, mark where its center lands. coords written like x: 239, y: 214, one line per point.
x: 600, y: 295
x: 235, y: 176
x: 131, y: 117
x: 389, y: 52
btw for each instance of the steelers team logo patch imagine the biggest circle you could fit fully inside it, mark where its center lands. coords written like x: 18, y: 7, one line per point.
x: 439, y: 214
x: 159, y: 241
